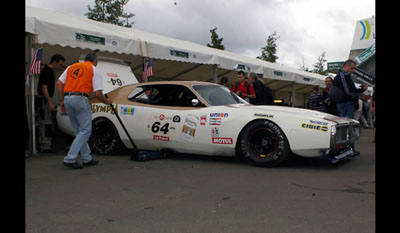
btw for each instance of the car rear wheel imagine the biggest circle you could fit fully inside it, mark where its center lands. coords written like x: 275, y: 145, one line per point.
x: 263, y: 143
x: 105, y: 139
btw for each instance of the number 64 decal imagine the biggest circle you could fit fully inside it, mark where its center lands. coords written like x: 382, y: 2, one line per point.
x: 155, y: 128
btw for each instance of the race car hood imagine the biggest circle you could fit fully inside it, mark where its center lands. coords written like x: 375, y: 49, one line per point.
x: 300, y: 112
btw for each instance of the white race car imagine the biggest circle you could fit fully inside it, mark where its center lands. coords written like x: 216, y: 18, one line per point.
x: 208, y: 119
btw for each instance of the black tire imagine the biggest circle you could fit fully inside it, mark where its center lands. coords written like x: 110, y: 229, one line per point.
x: 263, y: 143
x: 105, y: 138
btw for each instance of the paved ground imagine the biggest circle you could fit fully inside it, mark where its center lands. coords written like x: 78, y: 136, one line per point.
x: 202, y: 194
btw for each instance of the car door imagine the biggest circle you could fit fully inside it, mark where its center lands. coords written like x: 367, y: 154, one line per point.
x: 163, y: 117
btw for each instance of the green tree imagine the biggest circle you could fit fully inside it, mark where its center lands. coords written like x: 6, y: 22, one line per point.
x: 110, y: 11
x: 319, y: 66
x: 268, y: 53
x: 216, y: 42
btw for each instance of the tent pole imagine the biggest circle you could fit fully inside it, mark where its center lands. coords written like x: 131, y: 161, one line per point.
x: 31, y: 104
x: 214, y: 73
x: 293, y: 97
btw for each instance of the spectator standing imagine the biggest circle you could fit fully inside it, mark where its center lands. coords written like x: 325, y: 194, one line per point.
x: 368, y: 111
x: 74, y: 87
x: 372, y: 109
x: 343, y: 80
x: 46, y: 108
x: 264, y: 94
x: 224, y: 81
x: 358, y: 115
x: 331, y: 107
x: 315, y: 101
x: 243, y: 88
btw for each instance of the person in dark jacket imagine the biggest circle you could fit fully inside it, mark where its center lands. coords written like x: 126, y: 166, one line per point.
x: 346, y: 107
x: 343, y: 80
x: 331, y: 106
x: 315, y: 101
x: 263, y: 93
x: 45, y: 106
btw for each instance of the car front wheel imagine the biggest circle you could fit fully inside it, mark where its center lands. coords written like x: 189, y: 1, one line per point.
x: 263, y: 143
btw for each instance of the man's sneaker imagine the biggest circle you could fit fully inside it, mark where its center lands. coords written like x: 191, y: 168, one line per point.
x: 91, y: 163
x: 75, y: 165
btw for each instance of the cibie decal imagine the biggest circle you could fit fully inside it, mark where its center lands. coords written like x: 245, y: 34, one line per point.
x: 222, y: 140
x: 314, y: 127
x: 218, y: 114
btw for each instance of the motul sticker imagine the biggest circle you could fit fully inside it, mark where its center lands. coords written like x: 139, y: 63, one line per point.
x: 222, y: 141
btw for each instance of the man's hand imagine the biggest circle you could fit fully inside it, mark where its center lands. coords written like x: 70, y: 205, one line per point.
x: 63, y: 109
x: 52, y: 107
x: 99, y: 95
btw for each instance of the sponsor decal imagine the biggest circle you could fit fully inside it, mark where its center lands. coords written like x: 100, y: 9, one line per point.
x: 161, y: 138
x: 203, y: 120
x: 102, y: 108
x: 215, y: 132
x: 216, y: 140
x: 314, y: 127
x: 263, y: 115
x: 218, y: 114
x: 215, y: 121
x: 112, y: 75
x: 161, y: 127
x: 319, y: 122
x: 176, y: 119
x: 127, y: 111
x: 189, y: 128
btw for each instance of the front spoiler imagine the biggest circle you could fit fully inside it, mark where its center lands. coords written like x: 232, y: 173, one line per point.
x: 338, y: 156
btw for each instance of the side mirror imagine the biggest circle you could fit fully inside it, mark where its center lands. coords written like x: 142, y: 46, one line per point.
x: 195, y: 102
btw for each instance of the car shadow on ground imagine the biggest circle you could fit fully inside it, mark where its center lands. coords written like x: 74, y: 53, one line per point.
x: 292, y: 162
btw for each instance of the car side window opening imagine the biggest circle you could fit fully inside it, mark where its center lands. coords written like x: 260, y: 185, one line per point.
x: 164, y: 95
x: 217, y: 95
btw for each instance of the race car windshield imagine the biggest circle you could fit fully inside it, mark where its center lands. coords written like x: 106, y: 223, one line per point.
x: 218, y: 95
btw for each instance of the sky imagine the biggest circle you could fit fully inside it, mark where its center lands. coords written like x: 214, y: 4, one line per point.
x: 306, y: 28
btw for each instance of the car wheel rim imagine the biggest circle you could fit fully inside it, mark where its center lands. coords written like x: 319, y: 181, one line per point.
x: 104, y: 134
x: 263, y: 143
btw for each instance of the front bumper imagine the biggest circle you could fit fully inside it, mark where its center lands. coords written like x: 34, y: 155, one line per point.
x: 342, y: 138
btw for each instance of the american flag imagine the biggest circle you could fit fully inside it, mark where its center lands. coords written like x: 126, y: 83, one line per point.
x: 36, y: 62
x: 148, y: 70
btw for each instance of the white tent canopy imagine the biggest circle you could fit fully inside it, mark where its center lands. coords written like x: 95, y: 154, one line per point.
x: 59, y: 30
x: 174, y: 59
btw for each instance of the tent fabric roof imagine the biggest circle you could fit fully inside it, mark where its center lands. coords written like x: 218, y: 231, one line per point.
x: 56, y: 28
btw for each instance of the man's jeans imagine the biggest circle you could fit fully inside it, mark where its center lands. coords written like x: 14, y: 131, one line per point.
x: 80, y: 116
x: 346, y: 109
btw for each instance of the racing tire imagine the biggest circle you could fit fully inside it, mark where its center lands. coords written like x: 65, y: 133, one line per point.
x: 263, y: 143
x: 105, y: 138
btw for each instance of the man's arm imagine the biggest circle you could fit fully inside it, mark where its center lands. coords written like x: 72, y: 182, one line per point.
x: 99, y: 95
x: 60, y: 90
x: 47, y: 97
